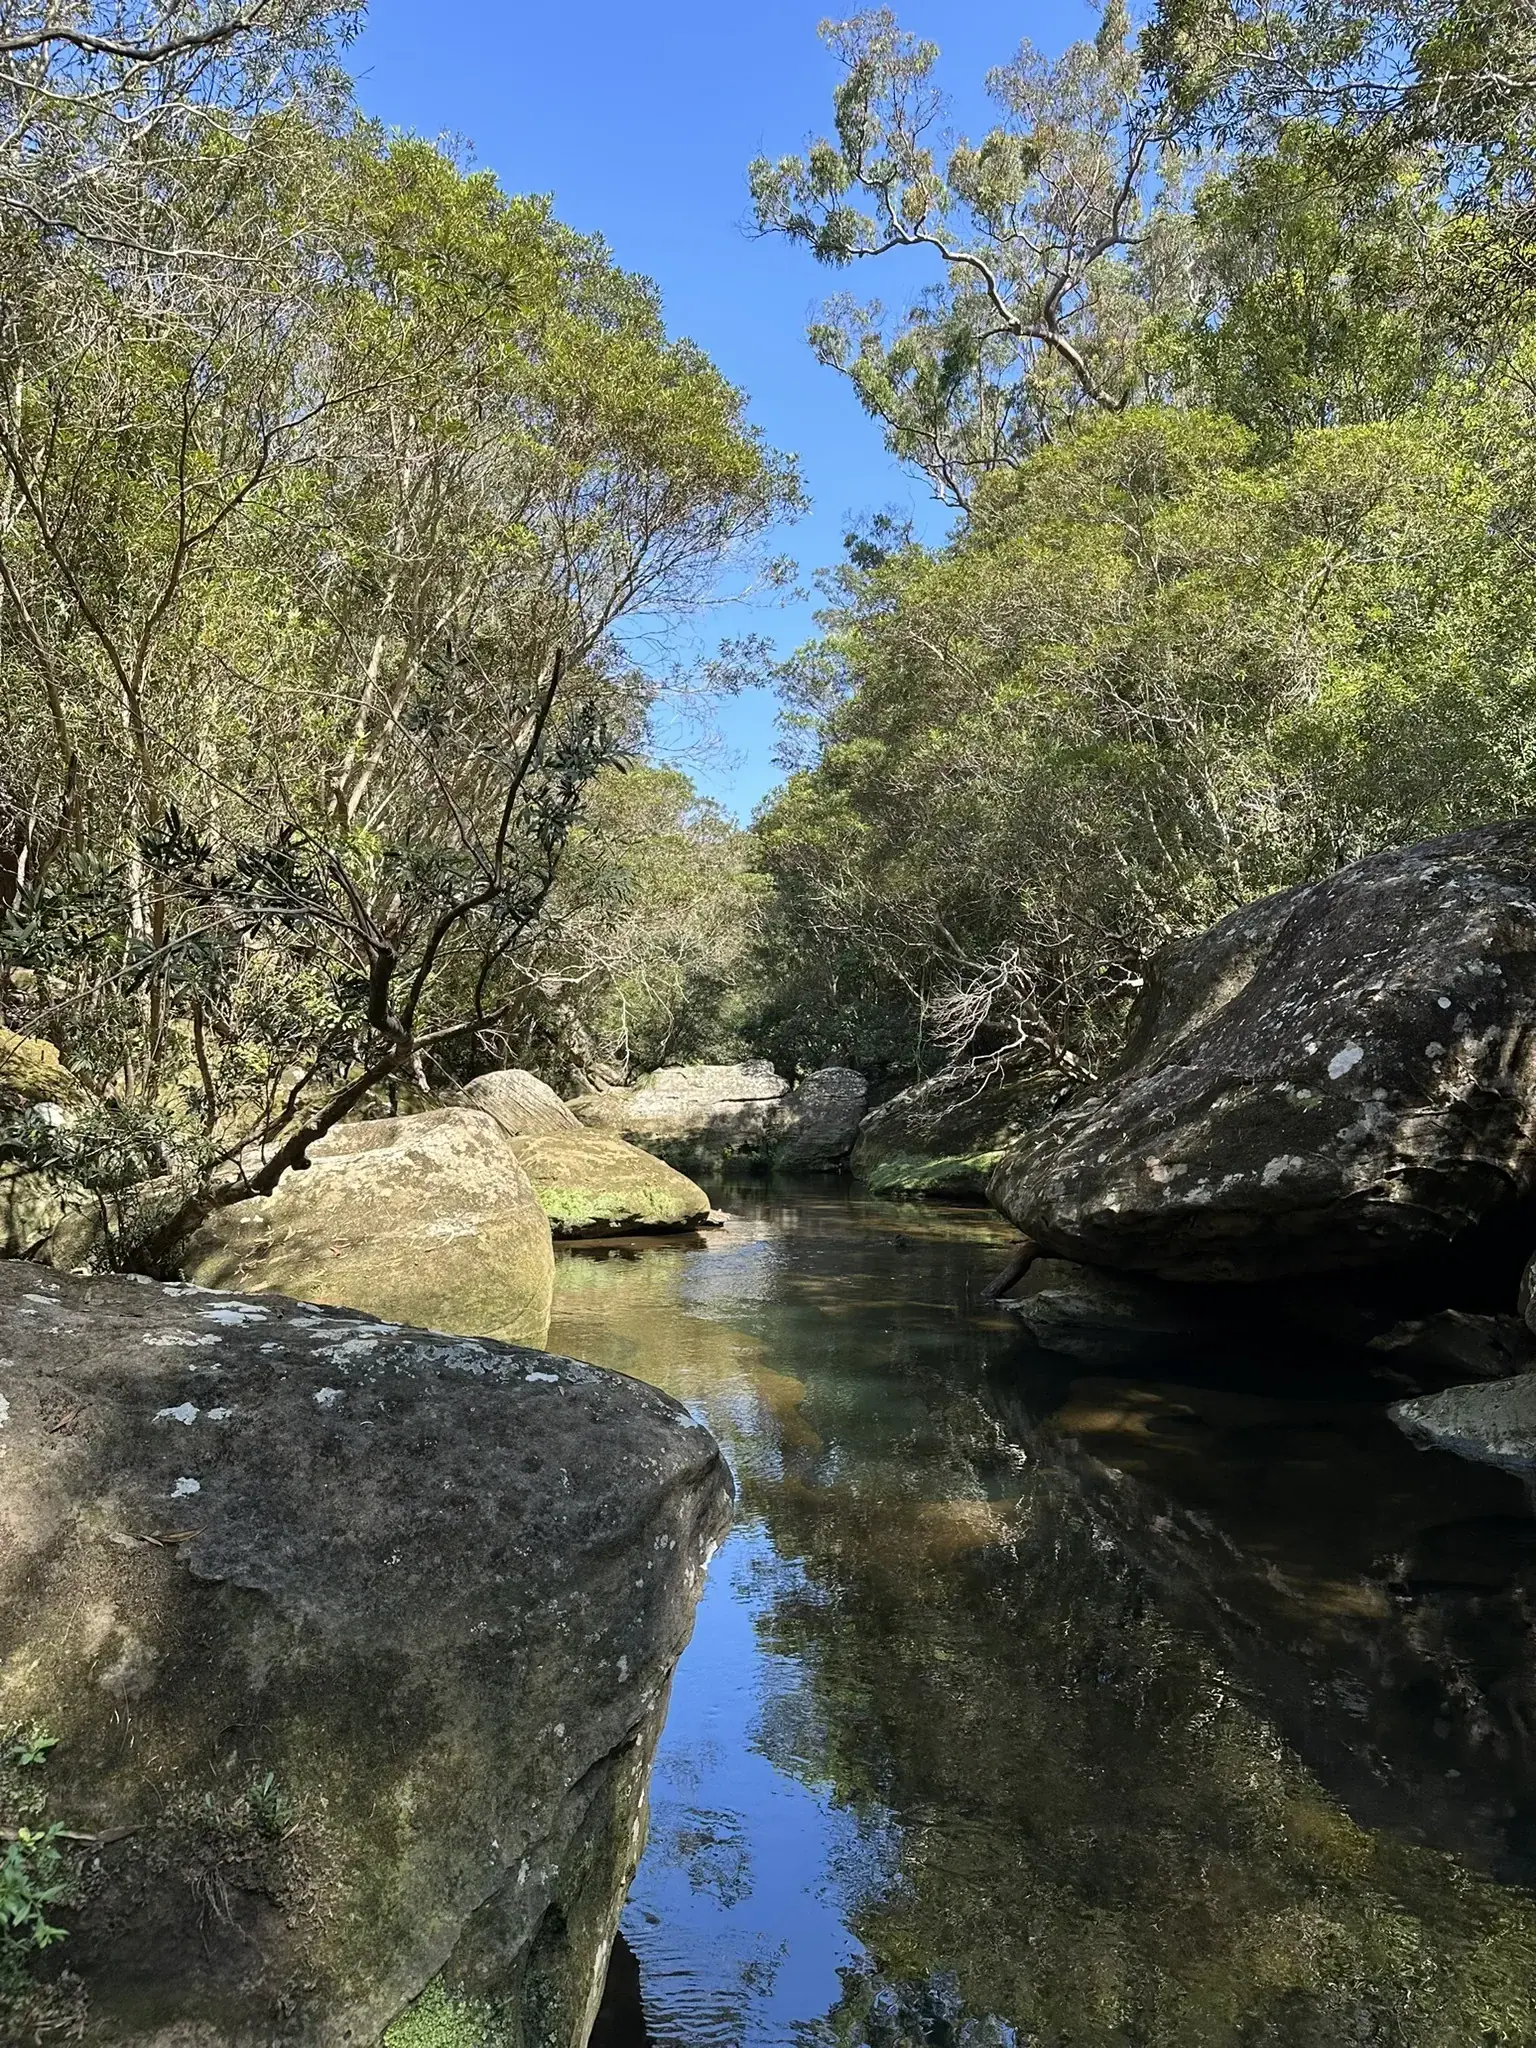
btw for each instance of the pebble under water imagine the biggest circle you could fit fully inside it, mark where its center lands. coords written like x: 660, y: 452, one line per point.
x: 1031, y: 1703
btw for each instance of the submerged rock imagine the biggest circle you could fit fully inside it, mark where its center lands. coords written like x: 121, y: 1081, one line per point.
x: 593, y: 1185
x: 1341, y: 1076
x: 1104, y: 1318
x: 429, y: 1220
x: 354, y: 1643
x: 1492, y: 1423
x: 944, y: 1136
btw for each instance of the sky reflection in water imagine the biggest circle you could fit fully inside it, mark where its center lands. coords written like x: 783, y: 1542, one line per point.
x: 974, y: 1740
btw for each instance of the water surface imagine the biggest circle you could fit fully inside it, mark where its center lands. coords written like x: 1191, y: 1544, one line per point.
x: 1031, y: 1704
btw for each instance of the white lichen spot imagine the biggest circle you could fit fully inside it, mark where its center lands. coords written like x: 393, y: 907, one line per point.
x: 184, y: 1487
x: 1444, y: 1002
x: 180, y: 1339
x: 560, y: 1731
x: 1434, y: 1050
x: 182, y: 1412
x: 623, y: 1670
x: 220, y: 1414
x: 5, y: 1411
x: 327, y: 1397
x: 237, y: 1314
x: 1344, y: 1061
x: 550, y: 1379
x: 1278, y: 1168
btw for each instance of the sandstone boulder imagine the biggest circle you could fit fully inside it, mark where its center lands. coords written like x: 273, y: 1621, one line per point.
x: 32, y: 1206
x: 943, y: 1136
x: 32, y: 1072
x: 696, y: 1116
x: 592, y: 1185
x: 818, y: 1121
x: 1493, y: 1423
x: 354, y: 1644
x: 702, y: 1117
x: 520, y: 1102
x: 1342, y: 1076
x: 1113, y: 1319
x: 429, y: 1220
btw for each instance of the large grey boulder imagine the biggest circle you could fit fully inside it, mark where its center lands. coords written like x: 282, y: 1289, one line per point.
x: 818, y: 1121
x: 1338, y: 1077
x: 354, y: 1643
x: 695, y: 1116
x: 426, y: 1219
x: 943, y: 1136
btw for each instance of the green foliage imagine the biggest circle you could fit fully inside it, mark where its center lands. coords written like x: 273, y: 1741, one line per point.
x: 305, y: 506
x: 271, y: 1810
x: 437, y: 2020
x: 34, y: 1878
x: 27, y: 1746
x: 1323, y: 299
x: 1052, y: 240
x: 1156, y: 676
x: 657, y: 907
x: 39, y: 1874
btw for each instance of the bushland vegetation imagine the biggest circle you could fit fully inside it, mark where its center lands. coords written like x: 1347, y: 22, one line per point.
x: 1220, y: 343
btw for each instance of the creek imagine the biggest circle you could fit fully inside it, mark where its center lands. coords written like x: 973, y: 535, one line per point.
x: 1032, y: 1702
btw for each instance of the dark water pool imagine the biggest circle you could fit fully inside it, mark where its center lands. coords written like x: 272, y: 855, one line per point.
x: 1033, y: 1704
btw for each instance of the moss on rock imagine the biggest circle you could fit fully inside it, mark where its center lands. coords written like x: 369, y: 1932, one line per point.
x: 593, y: 1185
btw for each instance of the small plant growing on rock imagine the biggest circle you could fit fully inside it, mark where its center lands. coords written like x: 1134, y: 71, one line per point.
x: 33, y: 1877
x: 37, y: 1874
x: 272, y: 1812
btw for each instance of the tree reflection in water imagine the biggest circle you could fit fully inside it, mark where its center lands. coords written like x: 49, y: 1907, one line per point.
x: 1083, y: 1711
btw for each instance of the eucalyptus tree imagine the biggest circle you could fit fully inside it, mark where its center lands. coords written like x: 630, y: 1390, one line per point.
x: 1054, y: 238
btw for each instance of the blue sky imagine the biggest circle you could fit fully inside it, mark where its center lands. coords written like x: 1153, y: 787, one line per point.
x: 640, y: 120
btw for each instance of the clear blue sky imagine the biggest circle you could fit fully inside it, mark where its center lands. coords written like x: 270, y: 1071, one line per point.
x: 640, y: 120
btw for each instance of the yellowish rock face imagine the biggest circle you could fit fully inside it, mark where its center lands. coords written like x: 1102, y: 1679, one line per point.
x: 31, y: 1071
x: 594, y: 1185
x: 425, y: 1220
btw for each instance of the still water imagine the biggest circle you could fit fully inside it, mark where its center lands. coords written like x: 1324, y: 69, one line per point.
x: 1029, y: 1703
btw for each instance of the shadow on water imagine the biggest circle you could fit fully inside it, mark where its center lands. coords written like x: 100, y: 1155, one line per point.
x: 1028, y: 1704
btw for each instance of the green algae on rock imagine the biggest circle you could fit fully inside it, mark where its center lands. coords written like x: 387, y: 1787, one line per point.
x: 593, y: 1185
x: 944, y: 1136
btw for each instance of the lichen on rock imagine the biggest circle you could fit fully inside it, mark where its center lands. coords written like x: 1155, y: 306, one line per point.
x: 357, y: 1694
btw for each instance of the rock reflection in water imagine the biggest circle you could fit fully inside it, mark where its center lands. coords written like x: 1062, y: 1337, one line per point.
x: 1088, y: 1712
